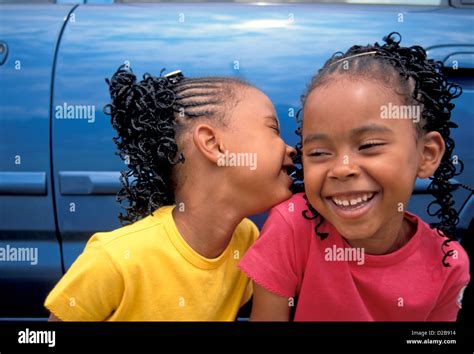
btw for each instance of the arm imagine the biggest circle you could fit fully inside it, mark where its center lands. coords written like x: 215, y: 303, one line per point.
x: 450, y: 300
x: 276, y: 262
x: 90, y: 290
x: 268, y: 306
x: 447, y: 308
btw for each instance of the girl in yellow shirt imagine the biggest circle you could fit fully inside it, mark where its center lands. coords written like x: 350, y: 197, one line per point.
x: 203, y: 154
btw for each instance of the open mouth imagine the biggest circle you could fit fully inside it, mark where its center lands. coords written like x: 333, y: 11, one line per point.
x: 352, y: 205
x: 289, y: 170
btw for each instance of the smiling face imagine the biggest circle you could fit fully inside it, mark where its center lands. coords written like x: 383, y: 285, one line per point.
x: 254, y: 132
x: 359, y: 169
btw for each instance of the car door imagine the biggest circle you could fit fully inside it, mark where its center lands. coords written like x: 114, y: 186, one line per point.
x: 30, y: 257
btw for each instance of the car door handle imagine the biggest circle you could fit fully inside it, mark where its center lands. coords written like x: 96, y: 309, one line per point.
x: 463, y: 60
x: 23, y: 183
x: 3, y: 52
x: 89, y: 182
x: 453, y: 56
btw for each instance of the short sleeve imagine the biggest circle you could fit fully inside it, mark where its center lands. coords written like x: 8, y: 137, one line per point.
x: 90, y: 290
x: 270, y: 262
x: 450, y: 300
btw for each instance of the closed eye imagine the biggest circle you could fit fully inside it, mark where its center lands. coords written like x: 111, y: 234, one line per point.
x: 370, y: 145
x: 318, y: 153
x: 275, y: 128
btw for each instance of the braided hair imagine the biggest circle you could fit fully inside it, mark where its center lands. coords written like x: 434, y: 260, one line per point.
x: 149, y: 115
x: 418, y: 80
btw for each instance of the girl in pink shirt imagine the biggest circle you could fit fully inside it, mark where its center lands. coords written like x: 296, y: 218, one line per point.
x: 375, y: 118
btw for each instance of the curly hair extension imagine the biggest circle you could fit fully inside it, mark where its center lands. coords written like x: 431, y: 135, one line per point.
x: 418, y: 80
x: 148, y: 116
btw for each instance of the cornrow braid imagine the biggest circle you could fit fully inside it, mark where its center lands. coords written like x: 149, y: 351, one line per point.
x: 417, y: 79
x: 148, y: 117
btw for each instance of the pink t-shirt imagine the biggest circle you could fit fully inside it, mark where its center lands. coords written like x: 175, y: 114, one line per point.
x: 334, y: 282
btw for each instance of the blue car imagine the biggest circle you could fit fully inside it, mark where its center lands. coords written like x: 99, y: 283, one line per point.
x: 59, y: 175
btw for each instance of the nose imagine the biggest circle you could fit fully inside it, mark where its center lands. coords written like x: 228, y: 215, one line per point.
x: 290, y: 151
x: 290, y: 154
x: 344, y: 168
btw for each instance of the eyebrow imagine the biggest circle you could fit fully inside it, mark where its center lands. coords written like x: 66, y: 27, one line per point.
x: 315, y: 137
x: 370, y: 128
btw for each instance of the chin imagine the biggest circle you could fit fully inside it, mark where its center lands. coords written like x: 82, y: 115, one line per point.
x: 279, y: 198
x: 287, y: 193
x: 265, y: 203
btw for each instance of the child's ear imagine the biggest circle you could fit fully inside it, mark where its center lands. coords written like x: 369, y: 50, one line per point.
x: 432, y: 151
x: 207, y: 141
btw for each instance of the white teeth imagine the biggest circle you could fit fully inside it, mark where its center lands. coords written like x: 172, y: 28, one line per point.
x: 356, y: 201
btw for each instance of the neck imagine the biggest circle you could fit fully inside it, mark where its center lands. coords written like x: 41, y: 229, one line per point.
x: 206, y: 227
x: 388, y: 240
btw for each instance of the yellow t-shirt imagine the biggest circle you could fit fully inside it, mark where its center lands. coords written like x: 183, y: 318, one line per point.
x: 147, y: 272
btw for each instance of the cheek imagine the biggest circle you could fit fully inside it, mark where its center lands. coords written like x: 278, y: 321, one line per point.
x: 395, y: 175
x: 265, y: 164
x: 398, y: 167
x: 313, y: 179
x: 271, y: 154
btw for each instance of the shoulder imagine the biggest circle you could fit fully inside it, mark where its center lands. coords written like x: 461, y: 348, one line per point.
x: 278, y: 259
x: 433, y: 247
x: 288, y: 216
x: 141, y: 235
x: 295, y: 205
x: 287, y: 230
